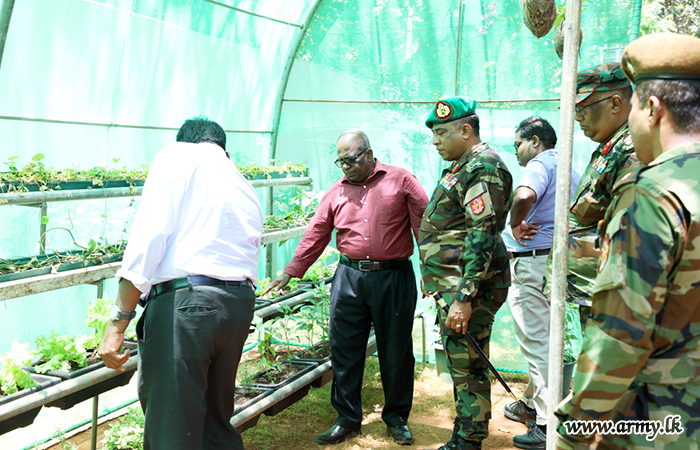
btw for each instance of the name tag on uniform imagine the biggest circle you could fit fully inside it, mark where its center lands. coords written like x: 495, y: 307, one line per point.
x: 448, y: 181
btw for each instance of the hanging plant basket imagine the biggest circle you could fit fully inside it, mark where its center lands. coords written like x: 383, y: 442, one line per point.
x: 539, y: 15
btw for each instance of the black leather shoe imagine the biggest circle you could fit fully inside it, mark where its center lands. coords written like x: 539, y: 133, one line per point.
x: 401, y: 434
x: 458, y: 443
x: 336, y: 435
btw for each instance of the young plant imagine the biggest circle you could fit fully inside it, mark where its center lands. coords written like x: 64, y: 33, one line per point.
x: 12, y: 377
x: 126, y: 433
x: 284, y: 326
x: 268, y: 354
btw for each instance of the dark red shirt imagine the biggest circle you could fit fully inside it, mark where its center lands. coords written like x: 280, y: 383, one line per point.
x: 374, y: 219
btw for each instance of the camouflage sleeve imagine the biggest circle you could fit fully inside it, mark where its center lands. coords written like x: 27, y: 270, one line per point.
x: 590, y: 208
x: 490, y: 186
x: 638, y: 252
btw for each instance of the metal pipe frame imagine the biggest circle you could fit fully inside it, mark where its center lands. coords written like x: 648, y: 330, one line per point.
x: 6, y: 8
x: 561, y: 216
x: 114, y: 125
x: 96, y: 274
x: 415, y: 102
x: 459, y: 38
x: 284, y: 392
x: 250, y: 13
x: 276, y: 118
x: 39, y: 197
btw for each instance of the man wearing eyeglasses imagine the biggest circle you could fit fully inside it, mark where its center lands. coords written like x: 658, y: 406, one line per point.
x: 602, y: 107
x: 528, y: 239
x: 376, y: 209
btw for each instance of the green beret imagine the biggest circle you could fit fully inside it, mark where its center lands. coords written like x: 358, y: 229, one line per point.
x: 605, y: 77
x: 450, y: 109
x: 662, y: 56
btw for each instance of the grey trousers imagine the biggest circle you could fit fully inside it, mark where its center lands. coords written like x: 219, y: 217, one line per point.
x: 190, y: 343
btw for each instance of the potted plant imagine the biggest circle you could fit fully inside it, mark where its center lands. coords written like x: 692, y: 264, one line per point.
x: 572, y: 344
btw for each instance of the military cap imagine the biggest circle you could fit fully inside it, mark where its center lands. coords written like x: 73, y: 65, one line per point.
x: 450, y: 109
x: 662, y: 56
x: 605, y: 77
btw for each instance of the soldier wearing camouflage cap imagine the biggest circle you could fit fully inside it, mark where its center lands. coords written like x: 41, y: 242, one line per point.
x: 602, y: 108
x: 640, y: 358
x: 464, y: 259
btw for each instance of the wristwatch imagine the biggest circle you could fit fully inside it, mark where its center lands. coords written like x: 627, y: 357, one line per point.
x: 117, y: 314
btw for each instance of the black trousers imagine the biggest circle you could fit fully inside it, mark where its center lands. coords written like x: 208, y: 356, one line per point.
x: 190, y: 343
x: 387, y: 300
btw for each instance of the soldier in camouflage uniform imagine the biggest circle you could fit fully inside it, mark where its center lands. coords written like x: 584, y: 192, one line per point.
x: 602, y: 107
x: 464, y: 259
x: 641, y: 353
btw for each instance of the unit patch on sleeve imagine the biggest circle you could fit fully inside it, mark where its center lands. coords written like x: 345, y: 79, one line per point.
x: 477, y: 205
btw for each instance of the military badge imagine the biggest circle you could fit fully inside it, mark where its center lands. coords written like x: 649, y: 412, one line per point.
x: 604, y: 252
x: 443, y: 111
x: 628, y: 141
x: 606, y: 148
x: 477, y: 205
x: 448, y: 181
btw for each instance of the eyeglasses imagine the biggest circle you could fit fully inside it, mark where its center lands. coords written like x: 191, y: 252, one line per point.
x: 517, y: 144
x: 349, y: 161
x: 580, y: 109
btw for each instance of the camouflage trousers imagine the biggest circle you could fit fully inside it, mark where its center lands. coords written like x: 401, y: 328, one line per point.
x: 470, y: 375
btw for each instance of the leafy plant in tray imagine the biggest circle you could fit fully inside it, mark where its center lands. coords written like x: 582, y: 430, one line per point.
x: 12, y: 377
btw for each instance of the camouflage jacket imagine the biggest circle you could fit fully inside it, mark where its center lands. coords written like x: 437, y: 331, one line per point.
x: 641, y: 352
x: 460, y: 241
x: 609, y: 163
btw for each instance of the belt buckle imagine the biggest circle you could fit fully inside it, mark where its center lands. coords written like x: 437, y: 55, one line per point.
x: 366, y: 266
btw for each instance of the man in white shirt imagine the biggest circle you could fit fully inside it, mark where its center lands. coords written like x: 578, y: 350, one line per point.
x: 193, y: 249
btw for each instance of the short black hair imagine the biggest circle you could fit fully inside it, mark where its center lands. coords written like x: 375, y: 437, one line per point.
x: 537, y: 126
x: 200, y: 129
x: 471, y: 119
x: 682, y: 98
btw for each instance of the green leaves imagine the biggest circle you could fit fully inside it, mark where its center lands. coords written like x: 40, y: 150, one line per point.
x: 12, y: 377
x: 57, y: 351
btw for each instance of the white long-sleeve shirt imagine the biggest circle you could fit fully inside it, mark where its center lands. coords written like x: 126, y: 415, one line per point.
x: 198, y: 216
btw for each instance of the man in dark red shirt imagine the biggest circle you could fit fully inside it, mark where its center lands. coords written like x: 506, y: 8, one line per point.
x: 376, y: 209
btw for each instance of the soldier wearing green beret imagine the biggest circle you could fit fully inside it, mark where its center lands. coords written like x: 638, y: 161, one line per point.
x: 464, y: 259
x: 602, y: 107
x: 640, y: 359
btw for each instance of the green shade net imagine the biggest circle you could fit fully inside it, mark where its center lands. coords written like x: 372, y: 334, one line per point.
x: 380, y: 66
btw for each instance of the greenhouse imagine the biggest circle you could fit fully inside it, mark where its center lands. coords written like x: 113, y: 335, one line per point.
x: 92, y: 90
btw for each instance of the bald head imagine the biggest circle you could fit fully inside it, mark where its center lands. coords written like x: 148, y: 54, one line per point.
x: 354, y: 139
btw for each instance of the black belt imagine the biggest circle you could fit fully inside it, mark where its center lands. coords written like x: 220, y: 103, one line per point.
x: 366, y: 265
x: 531, y: 253
x: 194, y: 280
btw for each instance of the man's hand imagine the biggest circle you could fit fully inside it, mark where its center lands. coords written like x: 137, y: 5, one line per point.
x: 111, y: 344
x: 524, y: 231
x: 279, y: 283
x: 458, y: 316
x: 423, y: 291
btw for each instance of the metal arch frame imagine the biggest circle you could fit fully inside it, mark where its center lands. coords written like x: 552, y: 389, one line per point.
x: 5, y: 16
x: 291, y: 57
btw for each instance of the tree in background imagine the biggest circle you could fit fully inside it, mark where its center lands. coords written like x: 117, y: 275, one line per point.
x: 679, y: 16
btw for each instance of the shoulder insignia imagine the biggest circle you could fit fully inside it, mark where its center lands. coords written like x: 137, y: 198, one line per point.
x: 477, y: 205
x: 443, y: 110
x: 604, y: 252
